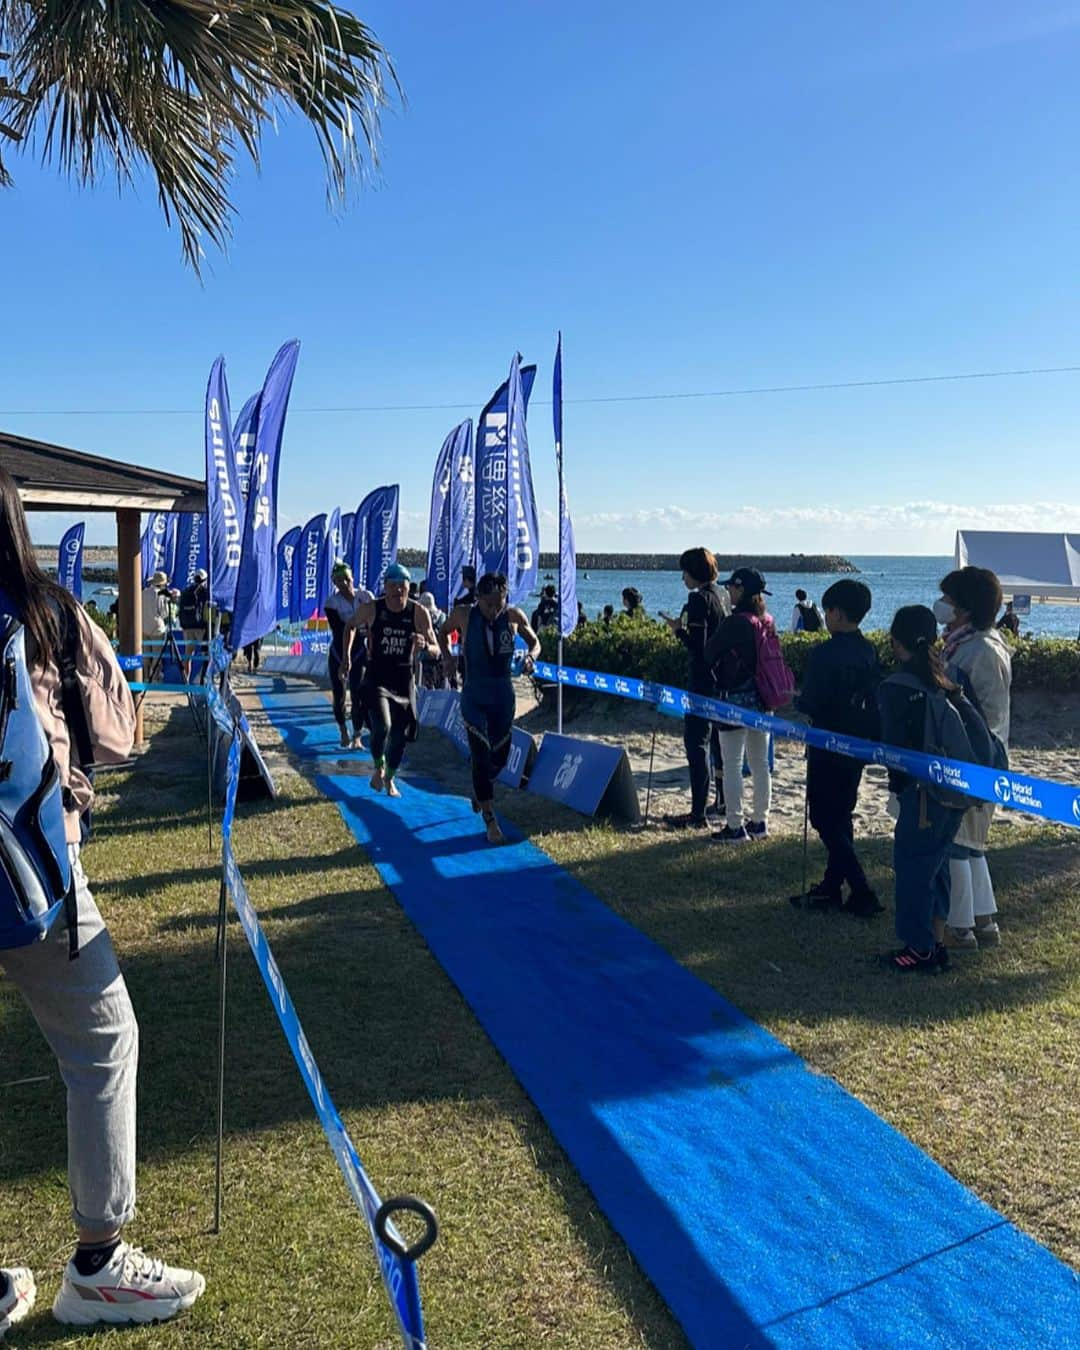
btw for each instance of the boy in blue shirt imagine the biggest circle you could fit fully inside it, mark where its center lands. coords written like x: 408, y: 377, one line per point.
x: 838, y: 693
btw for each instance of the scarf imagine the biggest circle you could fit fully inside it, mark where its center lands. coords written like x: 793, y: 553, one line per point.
x: 955, y: 639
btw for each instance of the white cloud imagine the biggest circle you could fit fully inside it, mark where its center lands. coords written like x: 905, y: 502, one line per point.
x: 905, y: 528
x: 909, y: 515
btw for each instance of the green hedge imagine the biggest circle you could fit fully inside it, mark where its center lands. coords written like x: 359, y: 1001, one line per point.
x: 646, y: 649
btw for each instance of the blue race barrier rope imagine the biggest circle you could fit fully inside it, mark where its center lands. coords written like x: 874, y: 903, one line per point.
x: 396, y: 1260
x: 1043, y: 797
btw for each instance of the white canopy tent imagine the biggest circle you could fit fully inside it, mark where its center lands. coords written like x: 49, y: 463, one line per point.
x: 1044, y: 566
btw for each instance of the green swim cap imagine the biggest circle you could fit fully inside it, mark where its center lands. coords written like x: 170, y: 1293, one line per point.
x: 340, y: 570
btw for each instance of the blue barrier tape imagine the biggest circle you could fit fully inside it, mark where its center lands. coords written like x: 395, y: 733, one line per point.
x: 398, y: 1274
x: 141, y: 687
x: 1043, y: 797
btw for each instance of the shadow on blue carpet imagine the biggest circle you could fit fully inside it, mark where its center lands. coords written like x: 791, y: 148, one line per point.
x: 767, y: 1205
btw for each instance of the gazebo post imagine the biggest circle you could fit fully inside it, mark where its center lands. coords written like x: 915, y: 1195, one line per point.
x: 129, y: 602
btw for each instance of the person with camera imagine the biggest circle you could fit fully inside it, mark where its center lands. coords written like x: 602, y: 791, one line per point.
x: 193, y: 609
x: 85, y: 711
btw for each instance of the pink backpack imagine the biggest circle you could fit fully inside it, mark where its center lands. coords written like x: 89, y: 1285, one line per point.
x: 774, y: 680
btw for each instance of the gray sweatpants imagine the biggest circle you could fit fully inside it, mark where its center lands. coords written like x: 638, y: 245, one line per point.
x: 84, y: 1012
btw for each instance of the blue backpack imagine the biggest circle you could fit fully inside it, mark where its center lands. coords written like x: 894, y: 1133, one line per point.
x: 36, y: 880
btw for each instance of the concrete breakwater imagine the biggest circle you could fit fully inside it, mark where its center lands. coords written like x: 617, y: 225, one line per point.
x: 669, y: 562
x: 101, y: 562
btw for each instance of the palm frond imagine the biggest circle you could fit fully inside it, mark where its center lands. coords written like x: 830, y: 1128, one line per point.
x: 183, y: 86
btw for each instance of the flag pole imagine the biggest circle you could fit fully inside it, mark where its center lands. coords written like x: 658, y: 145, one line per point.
x: 562, y: 508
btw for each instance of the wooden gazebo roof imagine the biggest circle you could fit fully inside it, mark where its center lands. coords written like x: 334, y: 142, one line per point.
x: 54, y: 478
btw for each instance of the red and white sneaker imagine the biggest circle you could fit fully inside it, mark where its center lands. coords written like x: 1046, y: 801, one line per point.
x: 131, y: 1288
x: 17, y: 1298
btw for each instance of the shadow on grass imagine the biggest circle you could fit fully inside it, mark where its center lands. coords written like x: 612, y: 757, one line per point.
x: 384, y: 1021
x: 727, y: 918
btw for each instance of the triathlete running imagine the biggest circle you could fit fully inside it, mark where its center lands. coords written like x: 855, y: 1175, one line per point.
x: 348, y: 652
x: 488, y: 630
x: 399, y: 630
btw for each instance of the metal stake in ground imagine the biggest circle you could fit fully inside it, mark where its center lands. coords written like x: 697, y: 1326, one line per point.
x: 648, y: 789
x: 222, y: 951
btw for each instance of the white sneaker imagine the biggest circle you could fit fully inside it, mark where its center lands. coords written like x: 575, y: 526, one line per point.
x: 131, y: 1288
x: 17, y: 1298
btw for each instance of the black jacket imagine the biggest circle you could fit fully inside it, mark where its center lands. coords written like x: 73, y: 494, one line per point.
x: 704, y: 615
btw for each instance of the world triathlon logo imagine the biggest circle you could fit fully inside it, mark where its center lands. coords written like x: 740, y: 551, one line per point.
x: 1003, y: 791
x: 1076, y: 808
x: 879, y: 754
x: 937, y: 773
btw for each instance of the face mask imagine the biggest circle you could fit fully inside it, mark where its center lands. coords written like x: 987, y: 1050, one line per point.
x: 944, y: 612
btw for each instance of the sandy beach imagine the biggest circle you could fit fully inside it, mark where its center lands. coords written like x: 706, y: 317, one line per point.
x: 1045, y: 744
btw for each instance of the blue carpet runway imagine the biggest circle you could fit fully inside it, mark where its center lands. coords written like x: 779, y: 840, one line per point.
x: 767, y: 1205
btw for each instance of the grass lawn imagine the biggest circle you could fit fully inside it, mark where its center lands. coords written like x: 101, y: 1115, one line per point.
x: 978, y: 1067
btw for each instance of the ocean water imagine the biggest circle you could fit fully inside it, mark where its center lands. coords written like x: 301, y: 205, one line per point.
x: 893, y: 582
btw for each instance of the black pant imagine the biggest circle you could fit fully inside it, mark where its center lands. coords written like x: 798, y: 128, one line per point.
x: 357, y: 671
x: 487, y: 764
x: 392, y: 724
x: 702, y: 741
x: 832, y: 787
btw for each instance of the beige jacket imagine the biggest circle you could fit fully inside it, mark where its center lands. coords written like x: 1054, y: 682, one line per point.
x: 110, y: 713
x: 985, y: 659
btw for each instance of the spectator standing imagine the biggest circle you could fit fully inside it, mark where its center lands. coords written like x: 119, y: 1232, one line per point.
x: 977, y: 658
x: 731, y: 653
x: 155, y: 622
x: 82, y: 1007
x: 805, y: 617
x: 705, y: 611
x: 633, y: 606
x: 467, y: 595
x: 546, y: 612
x: 925, y: 827
x: 192, y: 611
x: 839, y: 693
x: 1009, y: 621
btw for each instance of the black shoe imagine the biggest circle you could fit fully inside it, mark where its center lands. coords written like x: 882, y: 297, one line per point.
x: 910, y: 961
x: 864, y: 905
x: 715, y: 814
x: 686, y: 822
x: 819, y: 899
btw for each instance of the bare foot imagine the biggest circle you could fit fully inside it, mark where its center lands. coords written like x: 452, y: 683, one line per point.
x: 392, y: 789
x: 357, y: 743
x: 377, y: 781
x: 494, y: 834
x: 344, y: 739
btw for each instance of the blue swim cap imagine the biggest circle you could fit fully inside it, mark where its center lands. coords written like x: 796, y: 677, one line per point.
x: 395, y: 572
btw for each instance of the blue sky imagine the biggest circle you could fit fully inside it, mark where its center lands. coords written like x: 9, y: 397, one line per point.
x: 703, y: 197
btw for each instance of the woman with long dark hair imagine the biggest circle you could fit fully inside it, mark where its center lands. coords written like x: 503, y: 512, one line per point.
x: 925, y: 827
x: 82, y: 1006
